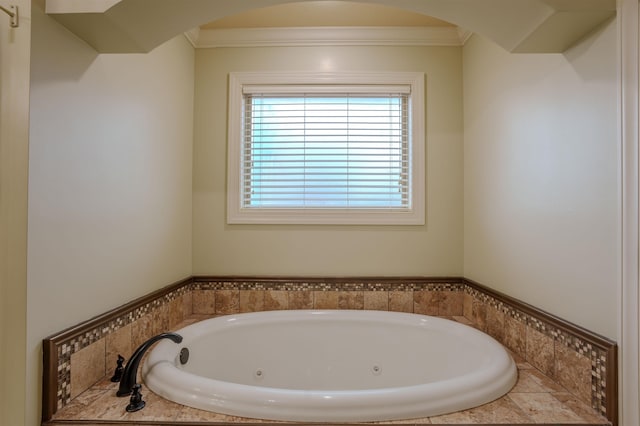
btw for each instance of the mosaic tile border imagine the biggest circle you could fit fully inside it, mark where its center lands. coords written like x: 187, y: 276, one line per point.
x: 75, y: 344
x: 597, y: 356
x: 601, y: 354
x: 338, y: 285
x: 59, y: 348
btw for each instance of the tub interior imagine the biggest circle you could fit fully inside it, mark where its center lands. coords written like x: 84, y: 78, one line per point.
x: 362, y: 356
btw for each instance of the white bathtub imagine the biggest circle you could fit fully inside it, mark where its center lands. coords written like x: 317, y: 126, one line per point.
x: 331, y: 366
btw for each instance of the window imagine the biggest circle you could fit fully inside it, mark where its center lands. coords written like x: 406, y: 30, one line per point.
x: 326, y: 148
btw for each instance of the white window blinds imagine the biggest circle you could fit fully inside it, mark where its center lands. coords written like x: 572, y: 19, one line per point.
x: 342, y: 148
x: 313, y: 149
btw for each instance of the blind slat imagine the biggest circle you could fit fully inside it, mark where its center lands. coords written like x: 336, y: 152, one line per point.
x: 326, y: 89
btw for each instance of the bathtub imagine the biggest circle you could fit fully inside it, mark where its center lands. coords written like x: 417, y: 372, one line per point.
x: 330, y: 366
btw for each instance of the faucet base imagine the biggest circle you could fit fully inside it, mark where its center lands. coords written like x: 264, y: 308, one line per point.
x: 136, y: 403
x: 132, y: 408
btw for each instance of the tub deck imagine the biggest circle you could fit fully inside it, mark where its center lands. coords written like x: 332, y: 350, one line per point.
x: 535, y: 399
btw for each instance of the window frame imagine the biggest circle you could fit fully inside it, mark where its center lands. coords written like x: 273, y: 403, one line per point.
x: 293, y: 81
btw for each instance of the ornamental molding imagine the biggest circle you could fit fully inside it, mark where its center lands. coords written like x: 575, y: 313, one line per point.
x: 327, y: 36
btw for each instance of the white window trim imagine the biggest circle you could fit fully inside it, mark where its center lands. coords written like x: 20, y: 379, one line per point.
x: 238, y: 215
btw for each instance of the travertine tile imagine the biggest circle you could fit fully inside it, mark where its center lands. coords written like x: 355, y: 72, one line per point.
x: 350, y: 300
x: 187, y: 302
x: 451, y: 303
x: 105, y: 384
x: 110, y: 407
x: 547, y: 384
x: 422, y: 421
x: 467, y: 306
x: 241, y: 420
x: 204, y: 301
x: 580, y: 408
x: 459, y: 417
x: 426, y: 302
x: 401, y: 301
x: 107, y: 407
x: 251, y: 300
x: 495, y: 323
x: 376, y: 300
x: 300, y: 299
x: 192, y: 320
x: 188, y: 414
x: 175, y: 313
x: 514, y: 336
x: 325, y: 300
x: 142, y: 329
x: 117, y: 343
x: 275, y: 300
x: 573, y: 371
x: 462, y: 320
x: 521, y: 363
x: 217, y: 418
x: 527, y: 383
x: 161, y: 321
x: 544, y: 408
x: 501, y: 411
x: 227, y: 301
x: 81, y: 423
x: 540, y: 351
x: 76, y: 409
x: 479, y: 314
x: 87, y: 367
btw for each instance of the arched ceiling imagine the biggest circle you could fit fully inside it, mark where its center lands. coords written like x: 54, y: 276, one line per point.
x: 516, y: 25
x: 325, y: 13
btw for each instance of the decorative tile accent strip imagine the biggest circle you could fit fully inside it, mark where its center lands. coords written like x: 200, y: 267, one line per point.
x: 597, y: 355
x: 332, y: 285
x: 68, y: 347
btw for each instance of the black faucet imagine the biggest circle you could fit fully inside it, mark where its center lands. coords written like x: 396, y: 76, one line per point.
x: 130, y: 372
x: 117, y: 374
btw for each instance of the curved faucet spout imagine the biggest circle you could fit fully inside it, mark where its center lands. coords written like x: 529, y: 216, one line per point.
x: 130, y: 372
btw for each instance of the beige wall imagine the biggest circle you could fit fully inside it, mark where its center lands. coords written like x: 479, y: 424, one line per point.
x: 541, y: 177
x: 434, y: 249
x: 111, y: 140
x: 14, y: 130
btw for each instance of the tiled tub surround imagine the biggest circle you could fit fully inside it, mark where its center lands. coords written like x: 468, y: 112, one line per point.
x: 584, y: 364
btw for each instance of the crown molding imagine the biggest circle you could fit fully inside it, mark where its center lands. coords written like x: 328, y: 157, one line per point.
x: 192, y: 36
x: 327, y: 36
x: 464, y: 35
